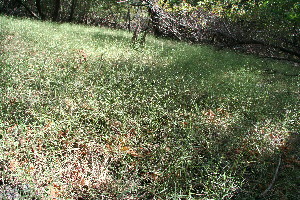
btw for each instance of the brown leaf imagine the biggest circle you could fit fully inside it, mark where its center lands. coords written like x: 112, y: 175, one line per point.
x: 130, y: 151
x: 13, y: 165
x: 210, y: 114
x: 54, y: 192
x: 63, y: 133
x: 21, y: 141
x: 125, y: 148
x: 84, y: 182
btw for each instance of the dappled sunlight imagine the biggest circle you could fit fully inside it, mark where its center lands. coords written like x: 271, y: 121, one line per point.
x: 86, y: 114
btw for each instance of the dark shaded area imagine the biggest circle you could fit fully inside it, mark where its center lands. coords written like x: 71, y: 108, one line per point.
x: 39, y: 9
x: 72, y: 10
x: 167, y: 129
x: 15, y: 112
x: 56, y: 9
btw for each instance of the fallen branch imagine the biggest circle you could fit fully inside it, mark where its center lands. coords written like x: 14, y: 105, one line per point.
x: 285, y: 50
x: 231, y: 41
x: 273, y: 180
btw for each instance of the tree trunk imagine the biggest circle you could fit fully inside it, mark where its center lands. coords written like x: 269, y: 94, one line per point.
x: 154, y: 11
x: 39, y: 9
x: 72, y: 11
x: 155, y: 20
x: 128, y: 19
x: 56, y: 9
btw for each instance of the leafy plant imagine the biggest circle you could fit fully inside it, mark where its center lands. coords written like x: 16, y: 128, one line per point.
x: 85, y: 115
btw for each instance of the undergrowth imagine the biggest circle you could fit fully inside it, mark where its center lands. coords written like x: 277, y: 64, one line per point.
x: 85, y: 115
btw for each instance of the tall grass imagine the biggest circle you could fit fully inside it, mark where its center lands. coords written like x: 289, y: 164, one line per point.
x: 84, y: 114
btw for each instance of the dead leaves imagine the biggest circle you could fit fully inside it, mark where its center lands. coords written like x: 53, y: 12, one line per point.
x: 10, y: 37
x: 56, y: 190
x: 122, y: 143
x: 130, y: 151
x: 216, y: 115
x: 82, y: 56
x: 126, y: 149
x: 153, y: 176
x: 13, y: 165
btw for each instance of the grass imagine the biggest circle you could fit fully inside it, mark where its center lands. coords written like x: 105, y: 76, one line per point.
x: 85, y: 115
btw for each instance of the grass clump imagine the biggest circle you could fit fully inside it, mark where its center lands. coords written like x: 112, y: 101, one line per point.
x: 85, y: 115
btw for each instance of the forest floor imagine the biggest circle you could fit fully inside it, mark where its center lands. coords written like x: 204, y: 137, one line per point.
x: 85, y: 114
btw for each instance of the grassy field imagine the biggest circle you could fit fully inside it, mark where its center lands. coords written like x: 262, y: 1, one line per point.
x: 86, y: 115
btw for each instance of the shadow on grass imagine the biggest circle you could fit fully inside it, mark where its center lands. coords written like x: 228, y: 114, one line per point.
x: 14, y: 112
x: 198, y: 124
x: 112, y: 39
x: 287, y: 184
x: 205, y: 150
x: 198, y: 115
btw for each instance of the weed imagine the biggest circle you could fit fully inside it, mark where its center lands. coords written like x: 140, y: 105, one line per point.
x: 85, y: 115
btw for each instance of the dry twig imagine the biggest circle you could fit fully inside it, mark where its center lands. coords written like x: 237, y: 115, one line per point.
x: 273, y: 180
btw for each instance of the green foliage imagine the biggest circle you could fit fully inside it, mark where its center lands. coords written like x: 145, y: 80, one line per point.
x: 270, y: 9
x: 284, y: 10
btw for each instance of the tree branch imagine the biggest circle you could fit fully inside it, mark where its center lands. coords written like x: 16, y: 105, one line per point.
x: 28, y: 9
x: 273, y: 180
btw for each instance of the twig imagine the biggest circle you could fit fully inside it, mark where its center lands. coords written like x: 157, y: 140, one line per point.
x: 273, y: 180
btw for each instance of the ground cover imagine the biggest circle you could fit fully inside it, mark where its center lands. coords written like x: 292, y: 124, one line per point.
x: 87, y: 115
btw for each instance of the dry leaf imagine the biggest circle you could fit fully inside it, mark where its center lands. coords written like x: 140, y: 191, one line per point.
x: 130, y: 151
x: 54, y: 192
x: 210, y: 114
x: 134, y: 153
x: 84, y: 182
x: 125, y: 148
x: 13, y: 165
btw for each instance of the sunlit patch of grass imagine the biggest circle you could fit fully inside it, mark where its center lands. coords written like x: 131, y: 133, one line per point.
x: 85, y: 114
